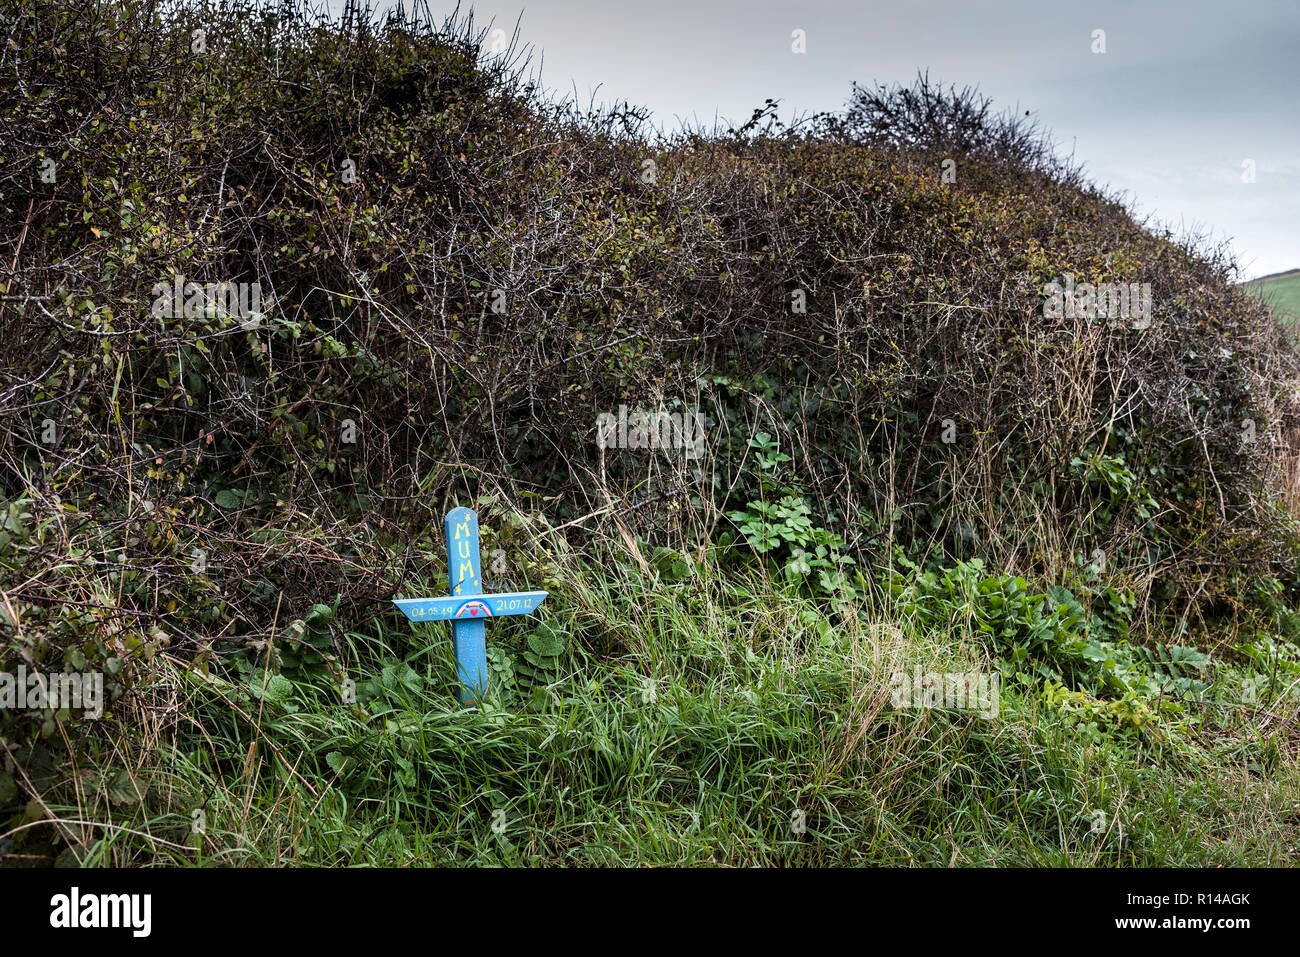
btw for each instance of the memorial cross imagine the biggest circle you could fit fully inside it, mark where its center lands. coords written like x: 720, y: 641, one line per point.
x: 467, y: 607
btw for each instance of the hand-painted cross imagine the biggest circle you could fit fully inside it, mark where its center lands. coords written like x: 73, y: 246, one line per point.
x: 467, y: 606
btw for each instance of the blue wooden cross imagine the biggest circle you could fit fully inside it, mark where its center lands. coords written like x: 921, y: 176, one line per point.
x: 467, y: 606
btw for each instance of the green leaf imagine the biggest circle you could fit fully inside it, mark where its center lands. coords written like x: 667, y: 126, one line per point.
x: 399, y: 673
x: 339, y: 762
x: 318, y: 616
x: 672, y: 566
x: 229, y: 499
x: 122, y: 789
x: 547, y: 664
x: 275, y: 688
x: 546, y: 642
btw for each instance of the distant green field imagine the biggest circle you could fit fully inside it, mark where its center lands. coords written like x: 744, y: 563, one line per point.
x: 1282, y: 292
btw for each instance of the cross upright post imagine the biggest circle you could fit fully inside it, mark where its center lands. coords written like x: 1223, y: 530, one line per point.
x: 467, y: 608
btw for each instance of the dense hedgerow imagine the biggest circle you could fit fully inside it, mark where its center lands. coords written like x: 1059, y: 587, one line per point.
x: 458, y: 275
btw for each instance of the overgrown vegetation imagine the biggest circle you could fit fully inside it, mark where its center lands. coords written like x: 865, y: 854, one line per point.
x: 908, y: 465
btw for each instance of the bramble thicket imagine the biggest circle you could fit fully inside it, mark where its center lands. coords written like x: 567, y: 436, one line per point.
x: 280, y: 290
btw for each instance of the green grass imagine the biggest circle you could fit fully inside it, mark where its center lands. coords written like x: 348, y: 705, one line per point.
x: 722, y: 720
x: 1282, y: 292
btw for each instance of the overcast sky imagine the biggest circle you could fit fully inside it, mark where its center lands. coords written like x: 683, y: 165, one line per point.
x: 1185, y: 93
